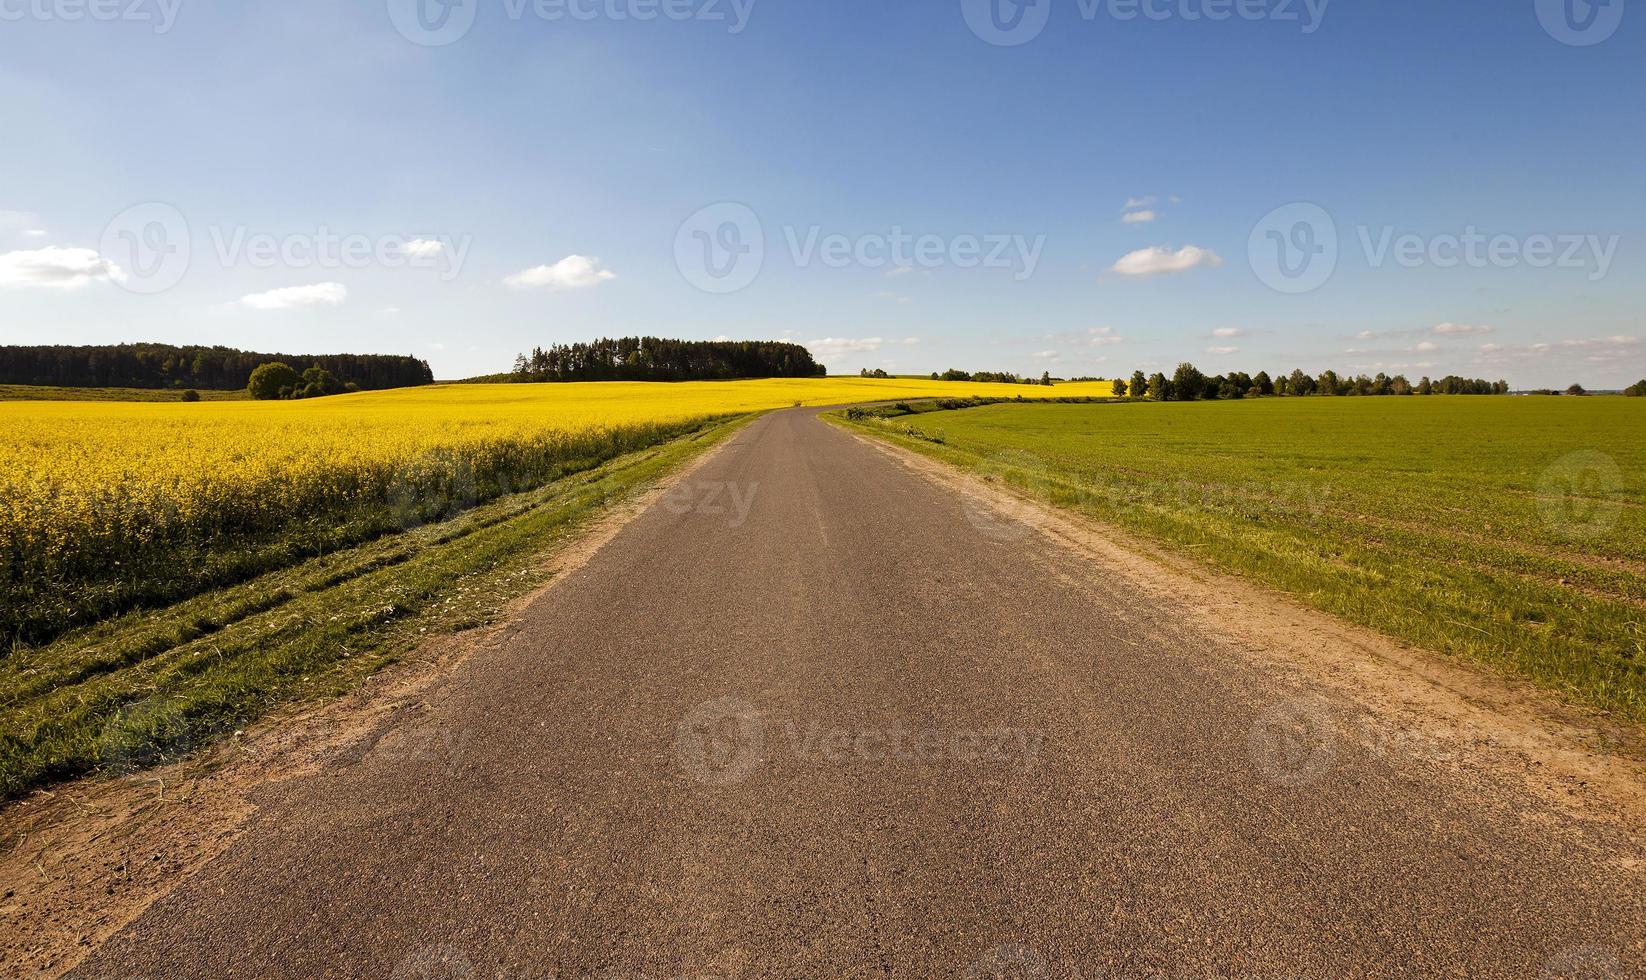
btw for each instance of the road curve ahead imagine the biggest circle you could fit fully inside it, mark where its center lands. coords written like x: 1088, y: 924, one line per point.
x: 812, y: 714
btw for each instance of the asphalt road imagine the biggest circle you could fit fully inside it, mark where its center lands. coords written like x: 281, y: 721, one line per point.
x: 814, y: 715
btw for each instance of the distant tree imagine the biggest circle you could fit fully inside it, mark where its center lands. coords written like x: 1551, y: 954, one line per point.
x: 191, y: 395
x: 953, y: 375
x: 1299, y: 383
x: 1328, y: 384
x: 1119, y: 387
x: 317, y: 383
x: 1046, y: 378
x: 1636, y: 390
x: 1576, y: 390
x: 269, y: 381
x: 1188, y: 383
x: 1425, y: 386
x: 1228, y: 389
x: 1398, y: 385
x: 1139, y: 385
x: 876, y: 373
x: 1159, y: 388
x: 1261, y: 381
x: 164, y: 366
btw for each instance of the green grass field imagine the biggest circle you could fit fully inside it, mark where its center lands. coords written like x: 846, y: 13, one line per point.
x: 1506, y: 531
x: 47, y: 393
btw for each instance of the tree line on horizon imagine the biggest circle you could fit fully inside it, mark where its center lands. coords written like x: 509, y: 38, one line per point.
x: 1189, y: 383
x: 211, y: 368
x: 659, y: 359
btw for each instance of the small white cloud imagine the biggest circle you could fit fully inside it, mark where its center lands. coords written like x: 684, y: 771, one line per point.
x: 1490, y: 348
x: 1157, y: 260
x: 390, y: 311
x: 1426, y: 345
x: 1103, y: 337
x: 35, y: 232
x: 1138, y: 217
x: 571, y: 272
x: 422, y: 248
x: 57, y: 268
x: 1366, y: 335
x: 721, y: 339
x: 1138, y: 202
x: 297, y: 297
x: 1461, y: 328
x: 1045, y: 355
x: 831, y: 346
x: 436, y: 345
x: 899, y: 270
x: 1228, y: 332
x: 1222, y: 350
x: 911, y: 341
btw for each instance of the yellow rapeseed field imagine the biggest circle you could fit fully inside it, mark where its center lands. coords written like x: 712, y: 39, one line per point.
x: 89, y: 488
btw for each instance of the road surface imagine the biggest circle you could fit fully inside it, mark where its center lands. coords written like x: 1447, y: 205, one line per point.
x: 812, y: 714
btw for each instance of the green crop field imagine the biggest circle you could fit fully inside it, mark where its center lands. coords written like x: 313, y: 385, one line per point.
x: 1508, y: 531
x: 48, y: 393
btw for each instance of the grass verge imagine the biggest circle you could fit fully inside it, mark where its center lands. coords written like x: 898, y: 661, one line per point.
x: 1504, y: 531
x: 147, y: 687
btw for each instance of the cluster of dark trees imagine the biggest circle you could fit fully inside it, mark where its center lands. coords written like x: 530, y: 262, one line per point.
x: 1636, y: 390
x: 1188, y: 383
x: 998, y: 377
x: 277, y: 380
x: 213, y: 368
x: 658, y: 359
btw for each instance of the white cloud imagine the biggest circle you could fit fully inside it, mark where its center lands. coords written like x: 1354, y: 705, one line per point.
x: 1228, y: 332
x: 1490, y: 348
x: 1103, y: 337
x: 899, y: 270
x: 436, y: 345
x: 1366, y: 335
x: 57, y: 268
x: 571, y: 272
x: 911, y: 341
x: 832, y: 346
x: 422, y: 248
x: 296, y: 297
x: 1157, y: 260
x: 1461, y: 328
x: 1426, y: 345
x: 1138, y: 217
x: 1222, y: 350
x: 1045, y: 355
x: 35, y: 232
x: 1139, y: 202
x: 390, y: 311
x: 721, y: 339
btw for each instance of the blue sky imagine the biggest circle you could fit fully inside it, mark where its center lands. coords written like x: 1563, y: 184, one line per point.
x: 529, y: 182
